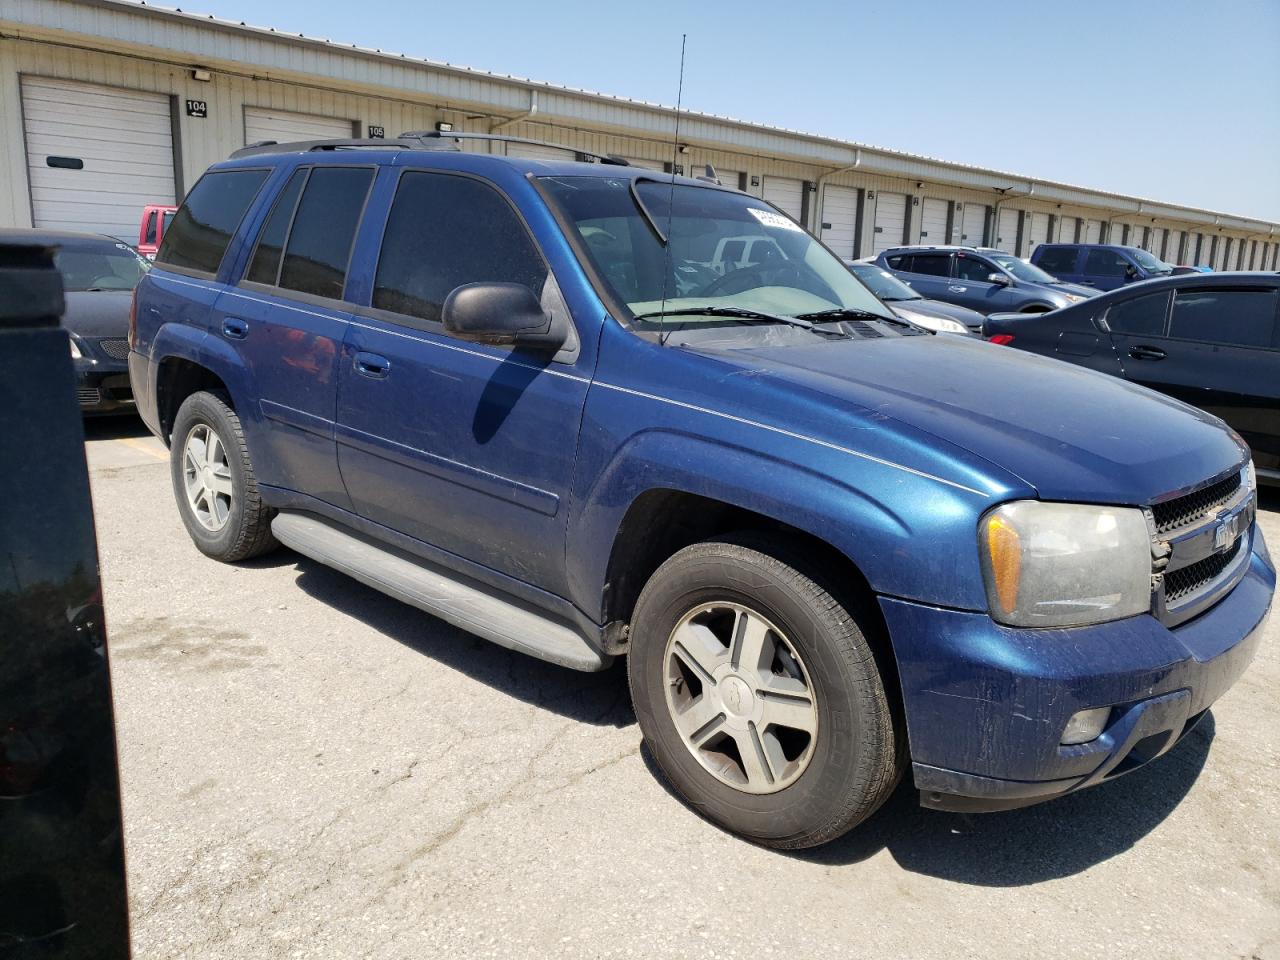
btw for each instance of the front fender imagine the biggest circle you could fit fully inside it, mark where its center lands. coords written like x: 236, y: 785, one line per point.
x: 910, y: 535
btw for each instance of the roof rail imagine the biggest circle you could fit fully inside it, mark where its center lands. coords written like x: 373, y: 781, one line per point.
x: 416, y: 140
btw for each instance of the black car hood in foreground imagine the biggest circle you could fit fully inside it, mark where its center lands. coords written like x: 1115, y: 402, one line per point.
x: 1071, y: 433
x: 98, y: 314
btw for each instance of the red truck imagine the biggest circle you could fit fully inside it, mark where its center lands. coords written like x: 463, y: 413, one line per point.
x: 156, y: 218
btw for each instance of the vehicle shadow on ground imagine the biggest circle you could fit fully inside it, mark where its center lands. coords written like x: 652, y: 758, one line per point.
x: 597, y: 698
x: 114, y: 428
x: 1018, y: 847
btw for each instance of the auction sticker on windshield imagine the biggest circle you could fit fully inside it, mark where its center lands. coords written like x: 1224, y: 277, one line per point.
x: 769, y: 218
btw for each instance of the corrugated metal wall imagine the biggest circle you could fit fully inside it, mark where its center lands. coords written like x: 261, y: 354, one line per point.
x: 404, y: 105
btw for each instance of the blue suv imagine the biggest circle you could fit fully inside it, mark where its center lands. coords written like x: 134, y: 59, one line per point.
x: 1099, y: 265
x: 588, y: 411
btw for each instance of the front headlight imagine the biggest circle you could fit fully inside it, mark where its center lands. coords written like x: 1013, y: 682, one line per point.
x: 936, y: 324
x: 1065, y: 564
x: 1073, y: 297
x: 75, y: 348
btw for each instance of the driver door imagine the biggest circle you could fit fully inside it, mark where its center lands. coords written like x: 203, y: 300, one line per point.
x: 971, y: 288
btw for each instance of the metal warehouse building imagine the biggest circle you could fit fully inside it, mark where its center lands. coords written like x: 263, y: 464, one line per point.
x: 106, y: 105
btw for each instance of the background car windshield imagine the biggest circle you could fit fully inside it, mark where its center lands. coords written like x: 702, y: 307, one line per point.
x: 107, y: 267
x: 1023, y: 270
x: 883, y: 283
x: 726, y: 250
x: 1149, y: 263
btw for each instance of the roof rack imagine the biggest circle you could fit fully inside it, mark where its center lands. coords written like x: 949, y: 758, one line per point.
x: 417, y: 140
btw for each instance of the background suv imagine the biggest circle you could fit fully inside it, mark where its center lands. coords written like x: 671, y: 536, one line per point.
x: 1098, y: 265
x: 982, y: 279
x: 520, y: 394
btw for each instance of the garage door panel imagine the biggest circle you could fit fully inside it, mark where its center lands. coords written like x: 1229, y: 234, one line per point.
x: 785, y: 193
x: 1066, y: 229
x: 727, y: 178
x: 124, y: 139
x: 536, y: 151
x: 840, y: 210
x: 933, y: 222
x: 1007, y: 232
x: 890, y: 221
x: 973, y: 221
x: 262, y: 123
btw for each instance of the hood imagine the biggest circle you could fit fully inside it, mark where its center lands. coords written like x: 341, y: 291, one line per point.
x: 936, y: 308
x: 1073, y: 288
x: 1068, y: 432
x: 98, y: 314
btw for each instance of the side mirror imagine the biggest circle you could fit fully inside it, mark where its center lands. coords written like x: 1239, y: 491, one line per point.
x: 999, y: 279
x: 500, y: 313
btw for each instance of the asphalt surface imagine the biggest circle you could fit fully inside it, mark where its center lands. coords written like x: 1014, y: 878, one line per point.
x: 311, y: 769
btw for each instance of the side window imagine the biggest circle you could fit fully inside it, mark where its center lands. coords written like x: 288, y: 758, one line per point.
x: 733, y: 251
x: 444, y: 231
x: 265, y: 266
x: 933, y: 264
x: 899, y: 262
x: 1104, y: 263
x: 1140, y: 317
x: 150, y: 235
x: 1057, y: 260
x: 969, y: 268
x: 1243, y: 318
x: 202, y: 229
x: 319, y: 246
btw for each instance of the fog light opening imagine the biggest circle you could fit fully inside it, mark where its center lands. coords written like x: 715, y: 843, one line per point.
x: 1084, y: 726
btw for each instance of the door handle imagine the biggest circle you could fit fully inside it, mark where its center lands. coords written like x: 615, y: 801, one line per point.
x: 1141, y: 352
x: 1088, y: 283
x: 234, y: 329
x: 957, y: 289
x: 371, y: 365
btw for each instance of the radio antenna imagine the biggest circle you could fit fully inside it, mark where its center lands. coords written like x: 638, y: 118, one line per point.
x: 668, y: 264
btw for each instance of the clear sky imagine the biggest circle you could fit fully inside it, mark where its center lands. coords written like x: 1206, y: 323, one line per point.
x: 1175, y: 100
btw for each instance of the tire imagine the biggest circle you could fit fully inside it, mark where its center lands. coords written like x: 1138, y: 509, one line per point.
x: 812, y: 790
x: 228, y: 529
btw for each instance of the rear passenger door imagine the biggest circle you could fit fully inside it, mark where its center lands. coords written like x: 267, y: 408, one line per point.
x: 287, y: 319
x: 1104, y: 269
x: 929, y: 274
x: 463, y: 446
x: 1224, y: 356
x: 1060, y: 262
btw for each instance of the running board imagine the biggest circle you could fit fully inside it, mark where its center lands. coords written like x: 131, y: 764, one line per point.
x: 465, y: 605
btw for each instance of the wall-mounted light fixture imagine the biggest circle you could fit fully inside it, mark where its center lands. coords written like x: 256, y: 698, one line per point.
x: 684, y: 148
x: 204, y: 76
x: 443, y: 126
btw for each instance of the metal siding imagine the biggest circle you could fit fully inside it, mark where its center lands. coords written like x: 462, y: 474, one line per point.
x: 286, y: 127
x: 933, y: 222
x: 890, y: 221
x: 972, y: 222
x: 786, y: 193
x: 123, y: 137
x: 840, y: 210
x: 532, y: 151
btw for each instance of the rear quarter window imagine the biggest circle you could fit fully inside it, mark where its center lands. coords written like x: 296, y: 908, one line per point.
x: 203, y: 227
x: 1057, y: 260
x: 1242, y: 318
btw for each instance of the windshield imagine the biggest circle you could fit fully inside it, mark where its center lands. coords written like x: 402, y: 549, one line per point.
x: 1021, y: 269
x: 727, y: 251
x: 1150, y: 263
x: 109, y: 266
x: 883, y: 283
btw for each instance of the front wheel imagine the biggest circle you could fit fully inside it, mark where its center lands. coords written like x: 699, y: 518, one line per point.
x: 759, y: 695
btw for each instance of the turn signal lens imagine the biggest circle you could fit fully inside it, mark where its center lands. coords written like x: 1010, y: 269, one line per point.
x: 1085, y: 726
x: 1005, y: 551
x: 1003, y: 339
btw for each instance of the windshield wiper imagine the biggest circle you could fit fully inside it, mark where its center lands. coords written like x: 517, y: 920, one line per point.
x: 737, y: 313
x: 850, y: 313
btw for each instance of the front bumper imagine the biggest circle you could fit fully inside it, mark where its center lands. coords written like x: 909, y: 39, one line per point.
x: 986, y: 704
x: 103, y: 390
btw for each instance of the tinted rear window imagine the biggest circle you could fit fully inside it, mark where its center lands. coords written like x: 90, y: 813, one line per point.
x: 1244, y: 318
x: 1105, y: 263
x: 1057, y: 260
x: 1140, y: 317
x: 933, y: 264
x: 315, y: 259
x: 203, y: 227
x: 265, y: 267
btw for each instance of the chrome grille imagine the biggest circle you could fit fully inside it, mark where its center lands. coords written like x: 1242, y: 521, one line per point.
x: 1184, y: 510
x: 1189, y: 579
x: 116, y: 349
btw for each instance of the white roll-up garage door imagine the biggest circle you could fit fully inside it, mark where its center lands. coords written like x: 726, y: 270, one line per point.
x: 785, y: 193
x: 261, y: 123
x: 840, y: 219
x: 1171, y: 253
x: 933, y: 222
x: 1067, y: 229
x: 972, y: 222
x: 890, y: 221
x: 1093, y: 231
x: 96, y: 155
x: 1039, y: 231
x: 1007, y: 231
x: 727, y: 177
x: 656, y: 165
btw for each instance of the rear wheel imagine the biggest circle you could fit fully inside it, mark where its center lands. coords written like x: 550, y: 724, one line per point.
x: 214, y: 483
x: 759, y: 695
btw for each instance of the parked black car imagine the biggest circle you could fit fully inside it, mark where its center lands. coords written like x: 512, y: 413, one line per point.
x: 1212, y: 340
x: 907, y: 303
x: 62, y: 880
x: 99, y: 274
